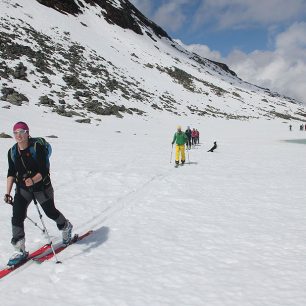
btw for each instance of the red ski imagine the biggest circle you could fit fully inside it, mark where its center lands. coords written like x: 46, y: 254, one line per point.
x: 43, y: 257
x: 38, y: 252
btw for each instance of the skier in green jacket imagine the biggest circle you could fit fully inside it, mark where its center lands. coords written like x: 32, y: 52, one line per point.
x: 180, y: 138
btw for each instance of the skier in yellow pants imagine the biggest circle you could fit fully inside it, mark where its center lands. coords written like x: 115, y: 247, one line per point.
x: 180, y: 139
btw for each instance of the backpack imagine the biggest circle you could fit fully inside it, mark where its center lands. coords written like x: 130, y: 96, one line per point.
x: 33, y: 142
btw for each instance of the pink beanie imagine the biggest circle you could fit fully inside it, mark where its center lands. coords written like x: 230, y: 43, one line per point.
x: 20, y: 125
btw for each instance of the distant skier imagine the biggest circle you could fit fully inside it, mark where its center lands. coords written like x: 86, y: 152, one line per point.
x: 213, y: 148
x: 188, y: 134
x: 193, y: 136
x: 180, y: 139
x: 28, y: 169
x: 197, y: 140
x: 290, y: 127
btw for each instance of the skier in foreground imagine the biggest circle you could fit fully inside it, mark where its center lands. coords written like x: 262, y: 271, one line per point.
x: 32, y: 178
x: 180, y: 139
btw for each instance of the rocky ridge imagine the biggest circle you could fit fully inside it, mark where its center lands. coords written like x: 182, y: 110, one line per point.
x: 72, y: 79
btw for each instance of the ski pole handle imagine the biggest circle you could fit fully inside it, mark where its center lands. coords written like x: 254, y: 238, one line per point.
x: 8, y: 199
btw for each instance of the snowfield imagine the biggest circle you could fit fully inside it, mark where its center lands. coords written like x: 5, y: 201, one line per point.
x: 226, y: 229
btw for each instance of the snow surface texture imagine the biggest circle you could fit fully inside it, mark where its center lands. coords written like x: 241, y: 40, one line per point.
x: 227, y: 229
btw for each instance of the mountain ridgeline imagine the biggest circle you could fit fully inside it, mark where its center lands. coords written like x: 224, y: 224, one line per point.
x: 87, y: 59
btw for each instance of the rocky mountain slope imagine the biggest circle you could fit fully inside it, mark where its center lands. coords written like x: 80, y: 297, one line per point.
x: 90, y: 58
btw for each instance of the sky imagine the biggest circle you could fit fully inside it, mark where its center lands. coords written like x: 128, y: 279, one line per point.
x: 263, y: 41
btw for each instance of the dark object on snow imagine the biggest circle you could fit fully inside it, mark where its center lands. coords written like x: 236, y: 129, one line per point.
x: 52, y: 136
x: 3, y: 135
x: 213, y: 148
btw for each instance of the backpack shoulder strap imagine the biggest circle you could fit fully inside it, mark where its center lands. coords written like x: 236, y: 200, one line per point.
x: 32, y: 147
x: 34, y: 140
x: 46, y: 146
x: 13, y: 152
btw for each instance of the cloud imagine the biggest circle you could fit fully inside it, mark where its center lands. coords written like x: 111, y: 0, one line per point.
x: 202, y: 50
x: 293, y: 41
x: 283, y: 69
x: 245, y: 13
x: 171, y: 14
x: 144, y: 6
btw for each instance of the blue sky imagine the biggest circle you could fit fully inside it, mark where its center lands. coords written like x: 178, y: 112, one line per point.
x: 264, y: 41
x: 226, y: 40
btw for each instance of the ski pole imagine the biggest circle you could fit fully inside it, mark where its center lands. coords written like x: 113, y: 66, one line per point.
x: 9, y: 200
x: 171, y: 154
x: 188, y: 156
x: 35, y: 223
x: 46, y: 231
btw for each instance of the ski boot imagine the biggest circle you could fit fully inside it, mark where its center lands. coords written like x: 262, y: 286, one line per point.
x: 19, y: 255
x: 66, y: 234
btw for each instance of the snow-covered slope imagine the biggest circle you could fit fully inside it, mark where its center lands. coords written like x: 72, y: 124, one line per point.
x: 228, y: 229
x: 92, y: 58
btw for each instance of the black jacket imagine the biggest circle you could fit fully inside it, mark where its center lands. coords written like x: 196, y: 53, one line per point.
x: 25, y: 165
x: 188, y: 133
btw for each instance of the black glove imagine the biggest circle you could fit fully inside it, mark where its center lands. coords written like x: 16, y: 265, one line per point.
x: 8, y: 199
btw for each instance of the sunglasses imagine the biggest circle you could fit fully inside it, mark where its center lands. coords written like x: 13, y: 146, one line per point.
x: 20, y: 132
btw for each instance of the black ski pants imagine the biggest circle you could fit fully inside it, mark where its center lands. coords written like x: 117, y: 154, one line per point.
x: 22, y: 200
x: 189, y: 142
